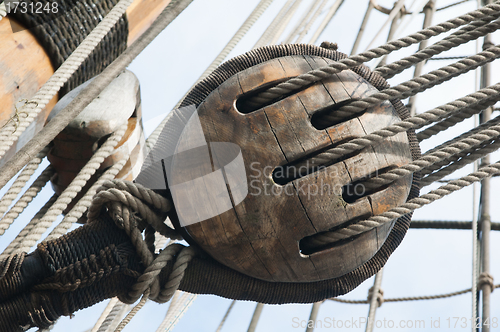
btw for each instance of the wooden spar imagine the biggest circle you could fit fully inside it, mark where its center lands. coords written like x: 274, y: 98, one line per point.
x: 25, y: 66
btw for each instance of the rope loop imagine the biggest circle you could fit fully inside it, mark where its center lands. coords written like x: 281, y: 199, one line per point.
x: 485, y: 279
x: 135, y: 208
x: 380, y: 296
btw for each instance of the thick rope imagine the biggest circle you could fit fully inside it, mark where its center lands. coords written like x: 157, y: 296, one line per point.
x: 465, y: 159
x: 409, y: 206
x: 21, y: 181
x: 100, y: 82
x: 470, y: 32
x: 356, y: 60
x: 123, y: 200
x: 452, y: 120
x: 486, y: 96
x: 109, y: 315
x: 25, y: 199
x: 10, y: 133
x: 442, y: 155
x: 415, y: 85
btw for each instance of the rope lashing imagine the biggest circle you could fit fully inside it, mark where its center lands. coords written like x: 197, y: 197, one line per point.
x: 355, y: 60
x: 380, y: 296
x: 485, y: 279
x: 123, y: 200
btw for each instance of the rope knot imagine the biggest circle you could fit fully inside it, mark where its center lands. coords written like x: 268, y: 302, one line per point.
x: 137, y: 209
x: 329, y: 46
x: 380, y: 296
x: 485, y: 279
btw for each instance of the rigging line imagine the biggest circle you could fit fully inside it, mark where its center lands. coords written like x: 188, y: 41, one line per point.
x: 255, y: 317
x: 355, y: 60
x: 476, y: 99
x: 414, y: 86
x: 12, y: 130
x: 409, y: 298
x: 72, y: 190
x: 471, y: 31
x: 249, y: 22
x: 374, y: 300
x: 464, y: 161
x: 266, y: 36
x: 84, y: 203
x: 313, y: 19
x: 410, y: 206
x: 284, y: 22
x: 14, y: 246
x: 305, y: 19
x: 394, y: 11
x: 474, y: 130
x: 20, y: 182
x: 93, y: 89
x: 176, y: 311
x: 362, y: 28
x: 429, y: 159
x: 221, y: 324
x: 333, y: 10
x: 448, y: 224
x: 25, y: 199
x: 313, y: 316
x: 429, y: 10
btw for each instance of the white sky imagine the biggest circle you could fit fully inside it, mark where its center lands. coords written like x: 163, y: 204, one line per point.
x: 427, y: 262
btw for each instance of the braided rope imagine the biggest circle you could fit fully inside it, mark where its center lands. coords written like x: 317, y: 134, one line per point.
x: 21, y: 181
x: 415, y: 85
x: 466, y: 158
x: 409, y: 206
x: 25, y: 199
x: 453, y: 120
x: 15, y: 245
x: 10, y: 133
x: 442, y: 155
x: 84, y: 203
x: 123, y: 199
x: 484, y: 96
x: 356, y: 60
x: 74, y: 187
x: 470, y: 32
